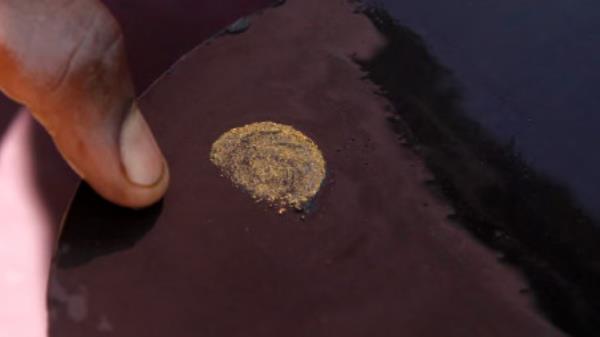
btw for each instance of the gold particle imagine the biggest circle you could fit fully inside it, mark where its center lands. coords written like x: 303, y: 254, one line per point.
x: 273, y: 162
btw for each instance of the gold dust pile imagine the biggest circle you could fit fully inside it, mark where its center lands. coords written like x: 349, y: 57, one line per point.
x: 273, y: 162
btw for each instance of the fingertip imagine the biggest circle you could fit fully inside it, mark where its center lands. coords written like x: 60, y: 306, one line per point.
x: 128, y: 169
x: 127, y: 194
x: 141, y: 157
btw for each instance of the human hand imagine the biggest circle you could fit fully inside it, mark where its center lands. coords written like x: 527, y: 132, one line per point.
x: 65, y: 60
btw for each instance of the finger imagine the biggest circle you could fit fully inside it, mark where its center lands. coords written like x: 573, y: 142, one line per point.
x: 71, y: 71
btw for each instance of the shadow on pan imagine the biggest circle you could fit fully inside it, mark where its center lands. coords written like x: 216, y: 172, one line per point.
x: 533, y: 221
x: 95, y: 227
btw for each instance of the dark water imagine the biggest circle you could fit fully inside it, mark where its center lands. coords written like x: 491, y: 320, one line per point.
x: 499, y: 100
x: 530, y: 74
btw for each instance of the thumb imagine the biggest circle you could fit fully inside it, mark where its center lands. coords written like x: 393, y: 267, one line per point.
x: 66, y: 61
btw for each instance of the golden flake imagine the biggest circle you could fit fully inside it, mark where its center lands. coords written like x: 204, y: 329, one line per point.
x: 273, y: 162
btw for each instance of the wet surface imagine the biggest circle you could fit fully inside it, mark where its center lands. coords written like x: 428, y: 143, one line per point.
x: 377, y: 257
x: 528, y: 72
x: 485, y: 153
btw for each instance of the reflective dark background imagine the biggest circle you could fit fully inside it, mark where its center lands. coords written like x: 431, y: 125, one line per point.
x: 529, y: 72
x: 498, y: 97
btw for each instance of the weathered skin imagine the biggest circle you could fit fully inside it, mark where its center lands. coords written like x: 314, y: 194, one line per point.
x: 65, y: 60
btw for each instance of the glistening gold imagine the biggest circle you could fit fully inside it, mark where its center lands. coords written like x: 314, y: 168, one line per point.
x: 273, y: 162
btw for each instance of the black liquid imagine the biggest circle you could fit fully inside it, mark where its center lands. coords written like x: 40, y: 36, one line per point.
x: 486, y: 150
x: 529, y: 73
